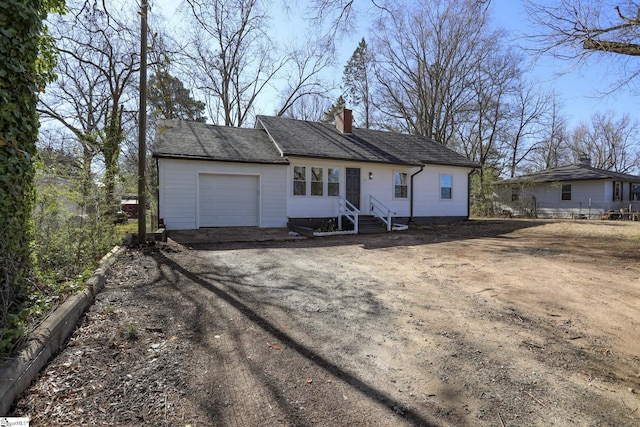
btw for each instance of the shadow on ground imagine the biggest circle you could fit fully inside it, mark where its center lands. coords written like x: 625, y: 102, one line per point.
x: 253, y: 237
x: 279, y: 335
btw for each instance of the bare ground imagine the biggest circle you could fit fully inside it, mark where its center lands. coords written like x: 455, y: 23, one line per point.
x: 487, y: 323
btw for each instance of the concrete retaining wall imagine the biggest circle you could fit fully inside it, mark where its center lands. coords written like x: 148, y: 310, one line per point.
x: 18, y: 372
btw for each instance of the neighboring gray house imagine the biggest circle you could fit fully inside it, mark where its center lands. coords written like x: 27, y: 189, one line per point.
x: 572, y: 191
x: 287, y: 171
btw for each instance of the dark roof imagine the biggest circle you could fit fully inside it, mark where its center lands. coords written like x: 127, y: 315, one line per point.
x: 320, y: 140
x: 193, y: 140
x: 572, y: 173
x: 277, y: 137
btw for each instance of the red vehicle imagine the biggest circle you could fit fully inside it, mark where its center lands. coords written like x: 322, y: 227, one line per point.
x: 129, y: 207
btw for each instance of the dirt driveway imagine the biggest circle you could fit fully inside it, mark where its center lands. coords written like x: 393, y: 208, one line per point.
x: 487, y: 323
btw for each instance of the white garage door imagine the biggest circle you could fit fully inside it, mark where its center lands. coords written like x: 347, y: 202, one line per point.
x: 228, y: 200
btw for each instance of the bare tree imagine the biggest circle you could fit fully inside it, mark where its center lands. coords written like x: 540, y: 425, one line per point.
x: 341, y: 15
x: 528, y: 123
x: 553, y: 149
x: 309, y: 107
x: 611, y: 143
x: 96, y: 66
x: 231, y: 56
x: 577, y: 29
x: 487, y: 126
x: 304, y: 72
x: 424, y: 55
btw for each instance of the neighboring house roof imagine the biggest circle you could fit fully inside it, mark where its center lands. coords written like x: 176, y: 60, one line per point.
x: 321, y: 140
x: 192, y: 140
x: 572, y: 173
x: 274, y: 138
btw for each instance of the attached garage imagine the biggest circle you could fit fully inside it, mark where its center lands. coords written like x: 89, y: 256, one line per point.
x: 228, y: 200
x: 217, y: 176
x: 285, y: 169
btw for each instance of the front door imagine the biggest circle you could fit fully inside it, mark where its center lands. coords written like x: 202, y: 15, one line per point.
x: 353, y: 186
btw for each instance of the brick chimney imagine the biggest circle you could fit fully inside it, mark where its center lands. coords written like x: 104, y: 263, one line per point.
x: 344, y: 120
x: 584, y: 159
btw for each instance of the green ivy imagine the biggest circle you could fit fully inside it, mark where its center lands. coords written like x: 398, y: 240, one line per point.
x: 27, y: 57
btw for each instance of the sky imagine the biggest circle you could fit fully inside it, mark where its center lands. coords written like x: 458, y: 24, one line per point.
x: 580, y: 88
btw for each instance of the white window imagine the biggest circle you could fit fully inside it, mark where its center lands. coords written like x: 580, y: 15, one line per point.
x: 400, y: 185
x: 333, y: 185
x: 299, y: 181
x: 617, y: 191
x: 446, y: 183
x: 515, y: 194
x: 311, y: 180
x: 317, y: 181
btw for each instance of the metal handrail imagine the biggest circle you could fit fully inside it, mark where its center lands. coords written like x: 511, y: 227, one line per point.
x: 378, y: 209
x: 350, y: 212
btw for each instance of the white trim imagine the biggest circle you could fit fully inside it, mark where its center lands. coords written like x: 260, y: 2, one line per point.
x: 308, y: 175
x: 440, y: 175
x: 271, y: 138
x: 393, y: 186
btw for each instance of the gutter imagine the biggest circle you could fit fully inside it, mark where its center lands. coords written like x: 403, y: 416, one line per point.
x: 411, y: 200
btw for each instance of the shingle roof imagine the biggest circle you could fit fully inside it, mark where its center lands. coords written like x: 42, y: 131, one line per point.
x: 192, y: 140
x: 314, y: 139
x: 572, y: 173
x: 277, y: 137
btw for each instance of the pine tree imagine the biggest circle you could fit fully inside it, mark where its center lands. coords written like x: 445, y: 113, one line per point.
x: 330, y: 114
x: 356, y: 81
x: 169, y: 99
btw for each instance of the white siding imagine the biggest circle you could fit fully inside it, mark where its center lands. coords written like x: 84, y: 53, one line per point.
x: 427, y: 201
x: 587, y: 198
x: 178, y: 189
x: 179, y: 195
x: 581, y: 192
x: 381, y: 186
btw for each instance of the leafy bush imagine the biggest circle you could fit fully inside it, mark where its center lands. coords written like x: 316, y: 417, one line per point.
x: 482, y: 193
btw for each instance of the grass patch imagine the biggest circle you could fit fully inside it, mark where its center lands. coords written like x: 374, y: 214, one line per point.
x: 130, y: 227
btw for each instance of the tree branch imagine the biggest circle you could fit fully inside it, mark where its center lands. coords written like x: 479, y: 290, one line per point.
x: 613, y: 47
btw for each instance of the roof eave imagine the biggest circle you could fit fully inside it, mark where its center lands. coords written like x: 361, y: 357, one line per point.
x: 344, y: 159
x: 454, y: 164
x: 213, y: 159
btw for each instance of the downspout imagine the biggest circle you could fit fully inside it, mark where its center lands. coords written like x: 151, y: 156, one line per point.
x: 411, y: 201
x: 469, y: 193
x: 160, y: 220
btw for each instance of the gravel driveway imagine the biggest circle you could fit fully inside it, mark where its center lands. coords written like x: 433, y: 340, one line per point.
x: 487, y: 323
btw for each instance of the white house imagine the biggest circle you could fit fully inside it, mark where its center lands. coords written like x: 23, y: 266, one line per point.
x: 572, y: 191
x: 287, y: 172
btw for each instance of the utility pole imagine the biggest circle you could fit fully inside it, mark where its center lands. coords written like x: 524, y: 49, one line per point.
x: 142, y: 128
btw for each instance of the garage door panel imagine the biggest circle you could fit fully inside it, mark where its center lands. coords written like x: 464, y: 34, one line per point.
x: 228, y: 200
